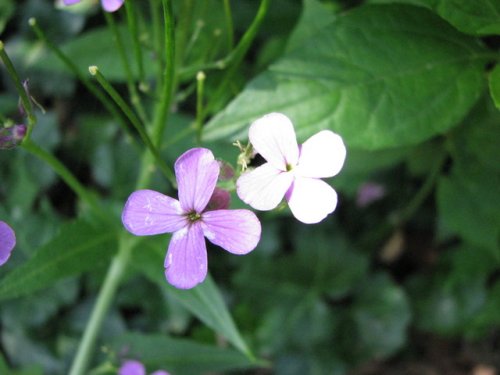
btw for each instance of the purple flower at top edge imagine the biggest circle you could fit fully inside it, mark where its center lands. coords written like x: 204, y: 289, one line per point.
x: 7, y: 242
x: 148, y: 212
x: 132, y: 367
x: 107, y: 5
x: 292, y: 171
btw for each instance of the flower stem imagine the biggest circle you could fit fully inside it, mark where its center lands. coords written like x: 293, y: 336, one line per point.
x: 108, y: 104
x: 66, y: 175
x: 132, y: 25
x: 229, y: 24
x: 134, y: 95
x: 134, y: 120
x: 26, y: 102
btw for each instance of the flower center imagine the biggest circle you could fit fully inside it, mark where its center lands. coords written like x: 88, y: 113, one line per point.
x: 193, y: 216
x: 289, y: 167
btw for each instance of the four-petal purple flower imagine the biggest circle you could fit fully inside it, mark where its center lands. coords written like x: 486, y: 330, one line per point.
x: 107, y: 5
x: 292, y: 171
x: 7, y: 242
x: 148, y: 212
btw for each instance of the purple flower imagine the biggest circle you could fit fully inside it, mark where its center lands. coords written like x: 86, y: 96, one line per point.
x: 292, y: 171
x: 368, y: 193
x: 132, y: 367
x: 108, y: 5
x: 148, y: 212
x: 10, y: 137
x: 7, y: 242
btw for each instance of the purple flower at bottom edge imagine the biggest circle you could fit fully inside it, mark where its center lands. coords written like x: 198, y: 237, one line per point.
x: 7, y: 242
x: 148, y: 212
x: 292, y: 171
x: 107, y: 5
x: 133, y: 367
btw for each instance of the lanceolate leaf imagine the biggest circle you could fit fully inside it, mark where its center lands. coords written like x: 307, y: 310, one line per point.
x: 381, y: 76
x: 79, y: 247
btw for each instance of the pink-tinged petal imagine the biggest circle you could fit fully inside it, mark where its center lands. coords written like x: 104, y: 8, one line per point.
x: 148, y: 212
x: 322, y: 155
x: 264, y: 187
x: 7, y: 242
x: 112, y: 5
x: 220, y: 200
x: 311, y: 200
x: 131, y: 367
x: 274, y: 138
x: 196, y: 171
x: 71, y: 2
x: 160, y: 372
x: 237, y: 231
x: 186, y: 261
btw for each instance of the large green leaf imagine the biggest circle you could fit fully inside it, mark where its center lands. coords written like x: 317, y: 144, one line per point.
x: 381, y: 76
x: 79, y: 247
x: 478, y: 17
x: 494, y: 81
x: 204, y: 301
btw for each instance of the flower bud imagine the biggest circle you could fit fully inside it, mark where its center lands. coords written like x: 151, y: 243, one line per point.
x: 11, y: 136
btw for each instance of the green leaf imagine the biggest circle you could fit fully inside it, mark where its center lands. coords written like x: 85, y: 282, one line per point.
x: 79, y: 247
x: 478, y: 17
x: 204, y: 301
x: 180, y: 356
x: 494, y: 81
x: 381, y: 76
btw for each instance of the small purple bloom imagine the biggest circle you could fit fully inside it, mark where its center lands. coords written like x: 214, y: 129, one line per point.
x: 12, y: 136
x: 148, y: 212
x: 107, y: 5
x: 7, y: 242
x: 292, y: 171
x: 131, y: 367
x: 368, y: 193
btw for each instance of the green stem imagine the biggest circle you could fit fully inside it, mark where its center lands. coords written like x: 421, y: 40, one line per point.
x: 101, y: 307
x: 200, y: 80
x: 65, y: 174
x: 157, y: 40
x: 132, y: 25
x: 121, y: 259
x: 26, y: 102
x: 134, y: 95
x: 229, y: 24
x: 134, y: 120
x: 82, y: 77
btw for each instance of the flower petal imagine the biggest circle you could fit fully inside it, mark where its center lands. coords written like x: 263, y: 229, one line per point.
x: 264, y: 187
x: 186, y: 261
x: 160, y: 372
x: 322, y: 155
x: 111, y: 5
x: 196, y: 171
x: 237, y: 231
x: 311, y: 200
x: 7, y: 242
x: 131, y: 367
x: 70, y: 2
x: 148, y: 212
x: 273, y: 137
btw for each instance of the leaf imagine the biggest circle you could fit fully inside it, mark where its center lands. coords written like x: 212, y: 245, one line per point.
x: 6, y: 12
x: 181, y: 356
x: 494, y: 81
x: 204, y: 301
x: 381, y: 76
x: 478, y: 17
x: 79, y: 247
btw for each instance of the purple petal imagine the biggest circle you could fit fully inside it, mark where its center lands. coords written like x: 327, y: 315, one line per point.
x: 322, y: 155
x: 7, y: 242
x: 237, y: 231
x: 264, y: 187
x: 196, y: 171
x: 220, y: 200
x: 273, y: 137
x: 160, y: 372
x: 131, y: 367
x: 311, y: 200
x: 111, y: 5
x: 148, y: 212
x: 186, y: 261
x: 70, y: 2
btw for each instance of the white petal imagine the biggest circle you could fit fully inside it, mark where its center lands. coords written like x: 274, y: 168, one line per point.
x: 311, y: 200
x: 264, y: 187
x: 274, y: 138
x: 322, y: 155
